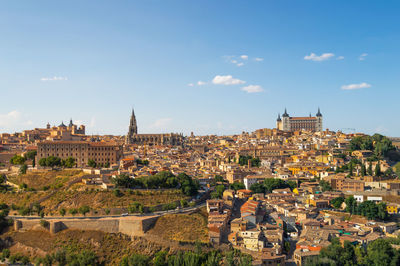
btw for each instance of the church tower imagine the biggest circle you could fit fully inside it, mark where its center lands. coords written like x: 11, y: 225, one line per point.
x: 318, y: 125
x: 132, y: 128
x: 279, y: 122
x: 286, y: 121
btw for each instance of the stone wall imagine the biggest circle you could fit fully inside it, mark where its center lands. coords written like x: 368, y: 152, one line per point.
x: 132, y: 225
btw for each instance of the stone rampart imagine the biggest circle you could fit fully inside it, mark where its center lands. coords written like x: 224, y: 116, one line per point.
x: 131, y: 225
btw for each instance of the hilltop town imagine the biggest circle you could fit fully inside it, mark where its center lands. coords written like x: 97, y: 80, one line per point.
x: 290, y: 194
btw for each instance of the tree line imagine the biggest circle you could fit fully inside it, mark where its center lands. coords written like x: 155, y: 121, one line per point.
x: 244, y: 160
x: 270, y: 184
x: 379, y: 253
x: 53, y: 161
x: 380, y: 145
x: 368, y: 209
x: 189, y: 258
x: 164, y: 179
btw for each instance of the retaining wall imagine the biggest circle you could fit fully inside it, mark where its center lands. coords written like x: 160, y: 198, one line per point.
x: 132, y: 226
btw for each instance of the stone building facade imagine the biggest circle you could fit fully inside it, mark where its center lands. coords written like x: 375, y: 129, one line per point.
x: 82, y: 151
x: 61, y: 132
x: 307, y: 123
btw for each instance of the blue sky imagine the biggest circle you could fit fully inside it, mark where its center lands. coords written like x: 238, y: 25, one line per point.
x: 211, y: 67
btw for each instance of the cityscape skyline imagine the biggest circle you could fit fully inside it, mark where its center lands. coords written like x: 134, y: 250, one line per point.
x: 213, y: 69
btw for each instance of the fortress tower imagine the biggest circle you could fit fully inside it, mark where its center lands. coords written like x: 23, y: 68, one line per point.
x: 307, y: 123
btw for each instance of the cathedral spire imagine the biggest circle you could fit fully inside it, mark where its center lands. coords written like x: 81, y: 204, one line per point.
x: 132, y: 128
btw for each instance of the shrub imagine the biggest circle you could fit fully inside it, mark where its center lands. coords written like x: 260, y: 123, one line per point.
x: 84, y: 209
x: 44, y: 223
x: 62, y: 212
x: 118, y: 193
x: 73, y: 211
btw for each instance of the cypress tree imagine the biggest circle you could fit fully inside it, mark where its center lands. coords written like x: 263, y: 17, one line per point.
x: 378, y: 169
x: 369, y: 171
x: 363, y: 170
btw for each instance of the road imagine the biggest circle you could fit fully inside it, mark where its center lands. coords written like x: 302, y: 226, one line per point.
x: 188, y: 209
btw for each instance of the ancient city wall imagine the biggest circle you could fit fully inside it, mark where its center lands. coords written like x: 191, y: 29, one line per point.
x: 132, y: 226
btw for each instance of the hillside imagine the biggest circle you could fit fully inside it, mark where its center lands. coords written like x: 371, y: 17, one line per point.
x: 182, y: 227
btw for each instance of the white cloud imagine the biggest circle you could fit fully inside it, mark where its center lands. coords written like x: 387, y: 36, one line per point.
x: 9, y: 118
x: 240, y: 64
x: 259, y: 59
x: 244, y: 57
x: 322, y: 57
x: 340, y: 57
x: 13, y: 121
x: 362, y: 56
x: 362, y: 85
x: 381, y: 129
x: 53, y: 78
x: 252, y: 89
x: 92, y: 123
x: 190, y: 84
x: 201, y: 83
x: 162, y: 122
x: 234, y: 61
x: 78, y: 122
x: 226, y: 80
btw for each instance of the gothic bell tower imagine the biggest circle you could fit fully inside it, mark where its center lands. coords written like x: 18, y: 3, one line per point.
x: 132, y: 128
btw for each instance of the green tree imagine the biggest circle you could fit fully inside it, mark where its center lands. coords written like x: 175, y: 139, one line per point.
x: 257, y: 188
x: 17, y: 160
x: 70, y: 162
x: 378, y: 169
x: 219, y: 191
x: 369, y: 171
x: 341, y: 255
x: 325, y: 186
x: 363, y: 170
x: 37, y: 208
x: 351, y: 204
x: 22, y: 169
x: 337, y: 202
x: 73, y: 211
x: 42, y: 162
x: 84, y: 209
x: 380, y: 253
x: 44, y: 223
x: 237, y: 185
x: 53, y: 161
x: 91, y: 163
x: 63, y: 212
x: 4, y: 211
x: 160, y: 258
x: 135, y: 260
x: 117, y: 193
x: 30, y: 155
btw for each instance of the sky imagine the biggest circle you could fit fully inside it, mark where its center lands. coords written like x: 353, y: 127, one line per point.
x: 207, y: 67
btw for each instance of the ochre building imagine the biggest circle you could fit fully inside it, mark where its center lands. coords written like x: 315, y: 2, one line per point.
x: 82, y: 151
